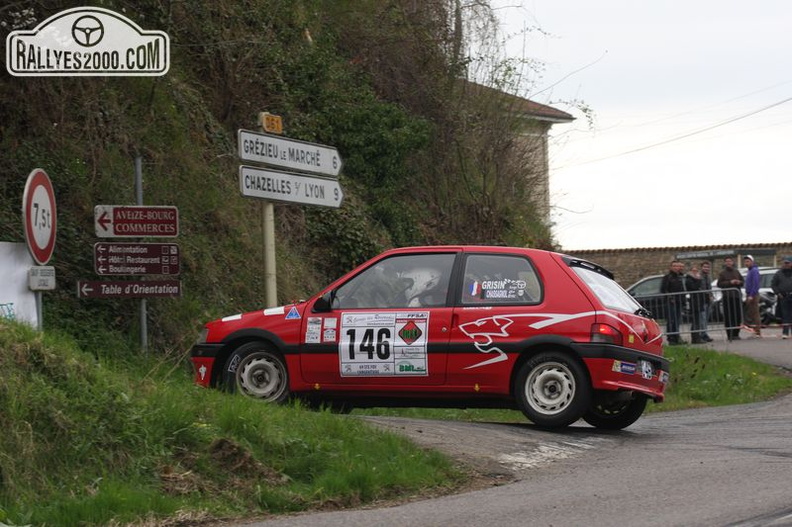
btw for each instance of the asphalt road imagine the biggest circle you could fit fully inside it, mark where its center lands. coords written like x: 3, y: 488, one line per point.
x: 771, y: 348
x: 727, y: 466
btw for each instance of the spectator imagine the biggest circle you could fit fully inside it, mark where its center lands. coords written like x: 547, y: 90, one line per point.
x: 673, y: 285
x: 752, y: 281
x: 730, y: 281
x: 782, y: 287
x: 693, y: 286
x: 706, y: 300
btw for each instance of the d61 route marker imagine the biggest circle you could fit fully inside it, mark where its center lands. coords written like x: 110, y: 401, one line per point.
x: 130, y: 221
x: 130, y: 289
x: 136, y: 258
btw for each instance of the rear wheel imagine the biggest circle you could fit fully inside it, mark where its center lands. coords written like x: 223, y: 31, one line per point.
x: 614, y: 412
x: 255, y: 369
x: 553, y: 390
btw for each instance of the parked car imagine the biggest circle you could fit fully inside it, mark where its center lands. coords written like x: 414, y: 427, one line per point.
x: 452, y: 326
x: 647, y: 292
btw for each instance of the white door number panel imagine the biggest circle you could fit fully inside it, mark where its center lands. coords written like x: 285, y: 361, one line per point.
x: 383, y: 344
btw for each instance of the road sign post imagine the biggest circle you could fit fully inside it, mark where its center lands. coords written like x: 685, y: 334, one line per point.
x: 40, y: 216
x: 136, y: 258
x: 41, y: 278
x: 128, y: 289
x: 129, y: 221
x: 274, y: 185
x: 40, y: 219
x: 291, y: 154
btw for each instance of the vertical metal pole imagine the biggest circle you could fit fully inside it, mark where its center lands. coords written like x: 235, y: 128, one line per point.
x: 270, y: 276
x: 139, y: 199
x: 270, y: 271
x: 40, y: 310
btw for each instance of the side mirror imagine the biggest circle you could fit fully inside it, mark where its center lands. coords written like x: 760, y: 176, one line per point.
x: 324, y: 304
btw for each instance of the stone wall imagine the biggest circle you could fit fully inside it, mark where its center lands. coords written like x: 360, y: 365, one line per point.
x: 630, y: 265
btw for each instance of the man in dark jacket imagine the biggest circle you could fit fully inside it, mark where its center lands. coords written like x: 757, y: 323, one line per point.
x: 698, y: 288
x: 673, y: 285
x: 705, y: 299
x: 782, y: 287
x: 730, y: 281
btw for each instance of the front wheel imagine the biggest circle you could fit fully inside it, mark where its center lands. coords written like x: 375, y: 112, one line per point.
x: 552, y: 390
x: 613, y: 413
x: 255, y: 369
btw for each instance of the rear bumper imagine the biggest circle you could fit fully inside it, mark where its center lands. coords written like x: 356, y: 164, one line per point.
x: 618, y: 368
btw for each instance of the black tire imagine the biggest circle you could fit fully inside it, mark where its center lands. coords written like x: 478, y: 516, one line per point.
x: 552, y: 390
x: 256, y: 370
x: 615, y: 414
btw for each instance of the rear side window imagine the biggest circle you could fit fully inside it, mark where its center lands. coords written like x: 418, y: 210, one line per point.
x: 496, y: 279
x: 607, y: 290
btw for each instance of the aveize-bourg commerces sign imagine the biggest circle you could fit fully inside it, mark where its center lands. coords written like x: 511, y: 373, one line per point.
x: 87, y: 41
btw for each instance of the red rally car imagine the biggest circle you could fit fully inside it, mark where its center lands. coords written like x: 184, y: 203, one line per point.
x: 451, y: 326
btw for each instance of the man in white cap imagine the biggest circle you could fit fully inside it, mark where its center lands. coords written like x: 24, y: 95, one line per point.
x: 752, y: 282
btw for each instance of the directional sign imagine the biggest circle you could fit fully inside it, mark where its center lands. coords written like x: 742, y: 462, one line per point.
x: 288, y: 153
x: 136, y: 258
x: 40, y: 217
x: 293, y: 188
x: 131, y: 289
x: 130, y: 221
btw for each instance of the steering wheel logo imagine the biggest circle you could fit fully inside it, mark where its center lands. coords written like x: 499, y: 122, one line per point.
x: 88, y: 31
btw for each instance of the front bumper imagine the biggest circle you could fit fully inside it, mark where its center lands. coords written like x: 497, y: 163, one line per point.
x: 203, y: 358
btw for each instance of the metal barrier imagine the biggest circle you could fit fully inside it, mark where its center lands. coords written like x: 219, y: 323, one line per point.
x: 697, y: 313
x: 7, y: 311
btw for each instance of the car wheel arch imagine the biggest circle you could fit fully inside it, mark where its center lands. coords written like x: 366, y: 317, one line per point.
x: 559, y: 345
x: 238, y: 339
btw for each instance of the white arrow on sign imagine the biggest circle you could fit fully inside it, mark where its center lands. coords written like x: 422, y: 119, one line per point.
x: 288, y: 153
x: 292, y: 188
x: 86, y: 289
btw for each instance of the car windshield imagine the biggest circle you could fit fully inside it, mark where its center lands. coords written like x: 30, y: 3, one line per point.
x: 607, y: 290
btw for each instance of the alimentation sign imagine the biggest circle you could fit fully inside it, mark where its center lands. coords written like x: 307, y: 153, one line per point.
x: 87, y: 41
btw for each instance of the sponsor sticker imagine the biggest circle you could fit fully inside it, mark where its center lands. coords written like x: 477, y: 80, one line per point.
x: 627, y: 368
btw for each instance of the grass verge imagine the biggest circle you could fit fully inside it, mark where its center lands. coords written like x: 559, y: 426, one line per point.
x: 92, y: 442
x: 102, y: 441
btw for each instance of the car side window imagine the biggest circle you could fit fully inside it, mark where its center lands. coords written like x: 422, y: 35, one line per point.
x: 495, y: 279
x: 410, y: 280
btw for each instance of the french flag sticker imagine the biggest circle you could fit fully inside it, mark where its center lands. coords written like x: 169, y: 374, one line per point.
x: 475, y: 289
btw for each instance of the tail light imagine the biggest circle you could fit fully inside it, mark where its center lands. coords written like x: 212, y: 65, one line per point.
x: 605, y: 334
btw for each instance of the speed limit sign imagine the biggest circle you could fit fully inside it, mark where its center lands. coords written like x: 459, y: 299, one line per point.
x: 40, y: 216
